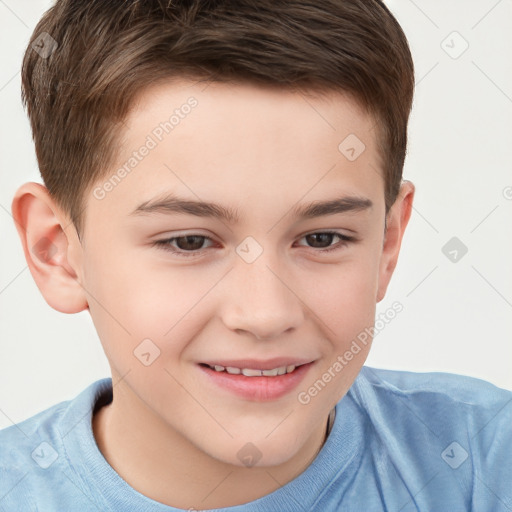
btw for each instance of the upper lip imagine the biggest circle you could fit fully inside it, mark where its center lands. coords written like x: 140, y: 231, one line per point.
x: 258, y: 364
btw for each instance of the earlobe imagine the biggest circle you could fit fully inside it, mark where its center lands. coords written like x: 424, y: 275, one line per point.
x: 47, y: 246
x: 397, y: 220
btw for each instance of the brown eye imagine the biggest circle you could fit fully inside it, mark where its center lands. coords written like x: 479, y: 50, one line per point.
x: 190, y: 243
x: 322, y: 241
x: 320, y: 238
x: 187, y: 245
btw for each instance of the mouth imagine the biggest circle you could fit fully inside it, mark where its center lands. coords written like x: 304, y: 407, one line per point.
x: 257, y: 381
x: 253, y: 372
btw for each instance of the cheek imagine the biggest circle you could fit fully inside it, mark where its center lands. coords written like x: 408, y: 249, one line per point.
x: 343, y: 295
x: 132, y: 301
x: 125, y: 303
x: 344, y: 299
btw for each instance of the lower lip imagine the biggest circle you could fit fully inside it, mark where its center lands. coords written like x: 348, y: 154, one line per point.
x: 258, y: 389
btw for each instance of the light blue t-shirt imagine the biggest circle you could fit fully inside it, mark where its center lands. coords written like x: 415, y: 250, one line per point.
x: 401, y: 441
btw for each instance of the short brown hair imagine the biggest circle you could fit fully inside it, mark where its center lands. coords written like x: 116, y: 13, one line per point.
x: 108, y: 52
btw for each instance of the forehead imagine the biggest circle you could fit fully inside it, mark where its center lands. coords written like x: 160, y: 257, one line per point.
x: 229, y: 117
x: 240, y: 141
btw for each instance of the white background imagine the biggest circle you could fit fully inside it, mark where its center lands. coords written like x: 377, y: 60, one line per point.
x: 456, y: 317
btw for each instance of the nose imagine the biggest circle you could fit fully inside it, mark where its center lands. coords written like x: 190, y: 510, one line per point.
x: 260, y: 300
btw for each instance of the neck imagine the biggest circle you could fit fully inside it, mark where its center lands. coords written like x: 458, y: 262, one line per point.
x: 163, y: 465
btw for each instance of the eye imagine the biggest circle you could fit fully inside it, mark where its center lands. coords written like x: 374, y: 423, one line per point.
x: 192, y: 245
x: 326, y: 237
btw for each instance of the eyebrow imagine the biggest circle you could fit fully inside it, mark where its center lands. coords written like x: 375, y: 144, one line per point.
x: 171, y: 203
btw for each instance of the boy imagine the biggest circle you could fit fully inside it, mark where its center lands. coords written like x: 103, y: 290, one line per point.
x: 274, y: 133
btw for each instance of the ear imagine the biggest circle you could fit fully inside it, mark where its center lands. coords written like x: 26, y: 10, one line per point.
x: 397, y: 220
x: 51, y: 246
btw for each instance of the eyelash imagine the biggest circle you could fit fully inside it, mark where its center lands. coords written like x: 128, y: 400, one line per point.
x: 166, y: 246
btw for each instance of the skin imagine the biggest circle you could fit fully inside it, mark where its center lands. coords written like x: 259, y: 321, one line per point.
x: 170, y: 433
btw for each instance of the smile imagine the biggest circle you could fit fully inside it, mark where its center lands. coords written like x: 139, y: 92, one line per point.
x: 253, y: 381
x: 251, y: 372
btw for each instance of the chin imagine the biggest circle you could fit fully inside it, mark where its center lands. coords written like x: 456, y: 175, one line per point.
x: 257, y: 454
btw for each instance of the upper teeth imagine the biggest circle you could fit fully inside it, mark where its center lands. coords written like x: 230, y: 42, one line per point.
x: 250, y: 372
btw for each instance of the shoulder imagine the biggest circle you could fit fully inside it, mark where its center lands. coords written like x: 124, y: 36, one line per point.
x: 33, y: 456
x: 470, y: 393
x: 441, y: 400
x: 26, y: 447
x: 461, y: 388
x: 456, y: 427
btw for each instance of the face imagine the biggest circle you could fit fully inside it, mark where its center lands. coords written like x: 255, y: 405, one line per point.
x: 193, y: 301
